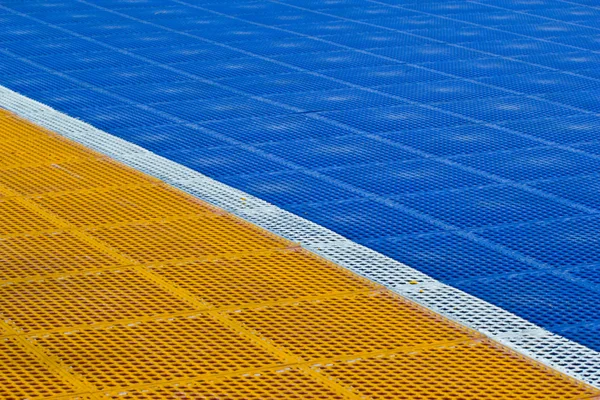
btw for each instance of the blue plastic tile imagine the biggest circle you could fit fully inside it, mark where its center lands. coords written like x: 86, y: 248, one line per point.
x: 377, y: 39
x: 198, y: 52
x: 532, y: 164
x: 427, y: 53
x: 110, y: 118
x: 574, y: 129
x: 464, y: 35
x: 543, y: 299
x: 590, y: 148
x: 33, y: 32
x: 590, y: 274
x: 548, y: 29
x: 519, y: 46
x: 41, y: 47
x: 384, y: 75
x: 333, y: 60
x: 97, y: 60
x: 12, y: 66
x: 585, y: 42
x: 40, y: 82
x: 506, y: 108
x: 335, y: 152
x: 558, y: 244
x: 221, y: 108
x: 143, y: 40
x: 565, y: 61
x: 550, y: 82
x: 159, y: 92
x: 331, y: 100
x: 68, y: 100
x: 583, y: 190
x: 379, y: 120
x: 286, y: 45
x: 224, y: 161
x: 163, y: 139
x: 442, y: 91
x: 363, y: 219
x: 572, y: 13
x: 275, y: 128
x: 288, y: 188
x: 448, y: 257
x: 324, y: 29
x: 138, y: 75
x: 407, y: 177
x: 366, y: 12
x: 230, y: 68
x: 494, y: 205
x: 460, y: 140
x: 584, y: 100
x: 587, y: 336
x: 290, y: 83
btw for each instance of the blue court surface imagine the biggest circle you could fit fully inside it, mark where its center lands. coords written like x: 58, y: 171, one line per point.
x: 461, y: 138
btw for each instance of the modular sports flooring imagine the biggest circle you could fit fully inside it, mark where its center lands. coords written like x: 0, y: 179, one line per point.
x: 461, y: 138
x: 115, y: 285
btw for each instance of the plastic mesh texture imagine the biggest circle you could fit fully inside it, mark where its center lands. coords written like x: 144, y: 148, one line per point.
x: 147, y: 292
x: 437, y: 133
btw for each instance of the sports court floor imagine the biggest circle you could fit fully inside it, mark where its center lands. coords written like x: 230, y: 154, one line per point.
x: 444, y: 158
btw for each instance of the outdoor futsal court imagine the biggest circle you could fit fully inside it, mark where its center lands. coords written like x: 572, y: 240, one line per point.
x: 299, y: 199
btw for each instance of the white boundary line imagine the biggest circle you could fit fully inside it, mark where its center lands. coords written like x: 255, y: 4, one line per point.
x: 522, y: 336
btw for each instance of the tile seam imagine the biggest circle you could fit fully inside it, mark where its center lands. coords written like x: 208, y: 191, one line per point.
x: 532, y: 341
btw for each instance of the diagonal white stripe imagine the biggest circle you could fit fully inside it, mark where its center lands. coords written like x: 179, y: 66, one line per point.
x: 522, y: 336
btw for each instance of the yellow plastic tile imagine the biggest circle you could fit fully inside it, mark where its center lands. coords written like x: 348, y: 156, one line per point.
x: 12, y: 128
x: 16, y: 218
x: 476, y: 370
x: 257, y: 278
x: 342, y: 326
x: 48, y: 150
x: 90, y: 298
x: 280, y: 384
x: 113, y: 285
x: 24, y: 376
x: 122, y: 205
x: 155, y: 351
x: 208, y: 236
x: 88, y: 174
x: 51, y: 253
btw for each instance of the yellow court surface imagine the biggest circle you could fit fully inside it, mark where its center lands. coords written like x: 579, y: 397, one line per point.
x: 116, y: 285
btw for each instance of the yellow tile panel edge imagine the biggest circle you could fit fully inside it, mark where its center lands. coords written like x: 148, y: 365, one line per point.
x: 53, y: 358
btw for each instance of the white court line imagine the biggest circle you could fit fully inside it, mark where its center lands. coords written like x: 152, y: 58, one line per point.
x: 522, y: 336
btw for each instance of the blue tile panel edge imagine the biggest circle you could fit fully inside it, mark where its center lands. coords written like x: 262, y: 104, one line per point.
x: 460, y: 138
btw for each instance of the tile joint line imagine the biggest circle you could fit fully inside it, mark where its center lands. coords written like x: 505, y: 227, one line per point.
x: 512, y: 331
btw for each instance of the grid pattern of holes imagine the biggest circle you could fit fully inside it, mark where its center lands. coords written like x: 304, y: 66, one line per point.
x: 505, y: 63
x: 24, y: 376
x: 347, y: 325
x: 280, y: 384
x: 261, y: 278
x: 121, y: 205
x: 155, y: 351
x: 425, y: 374
x: 208, y: 236
x: 16, y: 218
x: 16, y: 153
x: 85, y: 299
x: 88, y: 174
x: 50, y: 253
x: 74, y: 334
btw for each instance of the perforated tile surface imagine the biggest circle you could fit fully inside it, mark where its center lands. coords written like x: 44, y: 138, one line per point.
x: 123, y: 287
x: 441, y: 133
